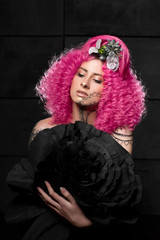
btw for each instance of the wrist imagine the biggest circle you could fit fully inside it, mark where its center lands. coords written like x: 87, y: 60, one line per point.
x: 85, y: 223
x: 88, y: 223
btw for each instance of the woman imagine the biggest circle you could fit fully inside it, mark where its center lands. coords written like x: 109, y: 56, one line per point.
x: 93, y: 83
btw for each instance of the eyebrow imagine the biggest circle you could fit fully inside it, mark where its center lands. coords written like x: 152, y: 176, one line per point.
x: 93, y: 73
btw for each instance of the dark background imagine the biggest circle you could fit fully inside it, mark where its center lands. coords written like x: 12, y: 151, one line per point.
x: 32, y: 31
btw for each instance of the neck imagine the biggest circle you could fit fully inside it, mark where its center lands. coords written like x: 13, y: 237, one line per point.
x: 84, y: 114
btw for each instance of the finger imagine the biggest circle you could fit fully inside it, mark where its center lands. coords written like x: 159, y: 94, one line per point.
x: 62, y: 201
x: 67, y: 195
x: 51, y: 206
x: 64, y: 191
x: 49, y: 187
x: 48, y: 204
x: 48, y: 199
x: 56, y: 210
x: 41, y: 197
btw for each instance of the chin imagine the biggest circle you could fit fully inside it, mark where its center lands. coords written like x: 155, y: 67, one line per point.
x: 77, y: 99
x: 91, y: 105
x: 84, y: 102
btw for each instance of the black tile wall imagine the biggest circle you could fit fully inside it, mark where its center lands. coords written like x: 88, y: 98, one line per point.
x: 145, y: 57
x: 23, y: 61
x: 146, y: 134
x: 35, y: 17
x: 19, y: 117
x: 127, y: 18
x: 32, y: 31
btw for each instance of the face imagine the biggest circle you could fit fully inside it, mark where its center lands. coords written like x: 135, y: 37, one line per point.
x: 87, y: 84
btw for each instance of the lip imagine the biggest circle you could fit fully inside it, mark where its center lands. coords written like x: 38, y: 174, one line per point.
x: 82, y: 94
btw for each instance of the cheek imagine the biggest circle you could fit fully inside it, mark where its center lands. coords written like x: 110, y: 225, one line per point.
x: 74, y: 82
x: 73, y: 86
x: 98, y: 89
x: 101, y: 89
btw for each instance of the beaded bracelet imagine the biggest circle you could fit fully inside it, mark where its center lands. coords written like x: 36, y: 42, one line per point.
x: 126, y: 142
x: 120, y: 134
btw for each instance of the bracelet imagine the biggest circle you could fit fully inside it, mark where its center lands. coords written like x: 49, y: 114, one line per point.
x: 126, y: 142
x: 120, y: 134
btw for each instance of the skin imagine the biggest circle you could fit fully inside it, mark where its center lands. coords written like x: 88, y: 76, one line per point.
x: 88, y: 79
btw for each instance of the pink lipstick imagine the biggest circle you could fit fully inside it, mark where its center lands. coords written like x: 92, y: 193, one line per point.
x: 82, y: 94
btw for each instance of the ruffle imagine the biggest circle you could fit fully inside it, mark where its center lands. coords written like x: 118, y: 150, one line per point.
x: 90, y: 164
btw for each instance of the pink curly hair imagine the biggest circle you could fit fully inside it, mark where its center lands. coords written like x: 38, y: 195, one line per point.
x: 122, y: 103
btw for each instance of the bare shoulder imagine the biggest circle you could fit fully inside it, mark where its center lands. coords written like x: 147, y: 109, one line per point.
x: 124, y: 136
x: 39, y: 126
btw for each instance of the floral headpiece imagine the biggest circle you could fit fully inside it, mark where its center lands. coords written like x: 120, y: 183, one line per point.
x: 109, y: 52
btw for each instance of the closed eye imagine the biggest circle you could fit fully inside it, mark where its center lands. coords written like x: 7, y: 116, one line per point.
x: 80, y: 75
x: 97, y: 81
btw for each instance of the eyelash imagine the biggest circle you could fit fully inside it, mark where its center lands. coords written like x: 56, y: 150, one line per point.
x: 80, y: 75
x: 97, y: 81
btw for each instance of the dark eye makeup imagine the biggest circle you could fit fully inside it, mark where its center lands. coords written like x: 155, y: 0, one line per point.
x: 81, y: 75
x: 97, y: 81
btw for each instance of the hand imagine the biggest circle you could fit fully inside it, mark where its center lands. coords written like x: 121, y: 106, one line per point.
x: 66, y: 207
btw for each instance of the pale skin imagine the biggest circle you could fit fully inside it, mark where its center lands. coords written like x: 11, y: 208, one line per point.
x: 85, y: 92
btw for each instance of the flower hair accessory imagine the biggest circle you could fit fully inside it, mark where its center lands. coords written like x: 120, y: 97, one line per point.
x: 109, y: 52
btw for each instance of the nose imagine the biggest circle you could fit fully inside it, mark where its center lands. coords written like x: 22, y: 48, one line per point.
x: 85, y: 84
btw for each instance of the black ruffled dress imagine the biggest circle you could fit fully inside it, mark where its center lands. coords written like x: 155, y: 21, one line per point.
x: 93, y: 167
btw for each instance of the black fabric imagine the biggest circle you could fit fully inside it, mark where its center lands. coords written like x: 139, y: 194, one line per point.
x: 96, y: 170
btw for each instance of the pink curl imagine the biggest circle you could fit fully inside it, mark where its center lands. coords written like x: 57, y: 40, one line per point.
x: 123, y: 97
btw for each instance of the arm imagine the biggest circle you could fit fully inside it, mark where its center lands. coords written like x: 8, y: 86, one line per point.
x: 39, y: 126
x: 124, y: 136
x: 65, y: 206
